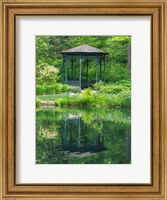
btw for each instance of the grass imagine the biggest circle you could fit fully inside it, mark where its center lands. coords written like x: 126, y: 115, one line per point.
x: 51, y: 97
x: 57, y: 88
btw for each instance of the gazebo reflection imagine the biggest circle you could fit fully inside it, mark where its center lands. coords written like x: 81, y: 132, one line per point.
x: 80, y: 138
x: 78, y: 134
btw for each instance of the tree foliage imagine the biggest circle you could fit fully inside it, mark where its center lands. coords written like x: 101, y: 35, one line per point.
x: 48, y: 50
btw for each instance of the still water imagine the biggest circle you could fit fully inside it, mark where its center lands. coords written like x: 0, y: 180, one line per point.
x: 83, y: 136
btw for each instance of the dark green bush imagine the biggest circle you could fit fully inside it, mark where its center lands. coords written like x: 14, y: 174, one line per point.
x: 125, y: 98
x: 65, y: 88
x: 40, y: 90
x: 50, y: 89
x: 116, y: 73
x: 58, y: 88
x: 126, y: 83
x: 37, y: 102
x: 112, y: 89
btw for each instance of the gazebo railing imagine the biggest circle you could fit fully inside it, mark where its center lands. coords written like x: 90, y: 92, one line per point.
x: 84, y: 83
x: 73, y: 83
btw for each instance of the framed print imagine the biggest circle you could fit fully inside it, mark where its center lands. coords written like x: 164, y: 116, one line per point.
x: 83, y: 95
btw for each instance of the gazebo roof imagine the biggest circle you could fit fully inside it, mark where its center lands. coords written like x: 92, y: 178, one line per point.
x: 84, y: 49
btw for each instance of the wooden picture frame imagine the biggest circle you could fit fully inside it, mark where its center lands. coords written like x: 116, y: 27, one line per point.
x: 158, y: 11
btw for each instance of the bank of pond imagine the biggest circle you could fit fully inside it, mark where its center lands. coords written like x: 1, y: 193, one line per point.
x: 100, y: 95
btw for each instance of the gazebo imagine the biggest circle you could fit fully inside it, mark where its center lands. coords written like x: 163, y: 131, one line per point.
x: 78, y: 61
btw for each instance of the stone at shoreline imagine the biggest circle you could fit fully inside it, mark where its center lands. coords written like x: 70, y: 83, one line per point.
x: 47, y: 104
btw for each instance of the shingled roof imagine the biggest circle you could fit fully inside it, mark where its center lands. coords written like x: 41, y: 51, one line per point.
x: 83, y: 49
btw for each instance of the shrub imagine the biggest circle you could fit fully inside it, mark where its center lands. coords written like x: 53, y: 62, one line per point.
x: 50, y: 89
x: 40, y: 90
x: 38, y: 102
x: 87, y: 93
x: 109, y: 96
x: 67, y: 101
x: 105, y: 100
x: 87, y: 96
x: 65, y: 88
x: 74, y: 89
x: 58, y: 88
x: 46, y: 74
x: 126, y: 83
x: 84, y: 99
x: 97, y: 86
x: 116, y: 72
x: 90, y: 99
x: 124, y: 98
x: 112, y: 89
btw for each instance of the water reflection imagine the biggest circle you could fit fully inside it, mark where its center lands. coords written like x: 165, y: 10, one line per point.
x: 71, y: 136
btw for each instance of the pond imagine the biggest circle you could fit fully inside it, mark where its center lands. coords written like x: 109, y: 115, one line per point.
x: 83, y: 136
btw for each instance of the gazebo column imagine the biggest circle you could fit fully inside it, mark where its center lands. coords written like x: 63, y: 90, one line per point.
x: 79, y: 132
x: 104, y: 69
x: 87, y: 70
x: 100, y: 68
x: 80, y: 66
x: 71, y: 131
x: 96, y: 68
x: 65, y: 66
x: 72, y: 70
x: 103, y: 134
x: 64, y: 134
x: 63, y: 70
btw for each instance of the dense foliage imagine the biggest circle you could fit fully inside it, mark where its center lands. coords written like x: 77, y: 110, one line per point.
x: 116, y: 91
x: 108, y: 96
x: 100, y: 95
x: 48, y: 55
x: 56, y: 89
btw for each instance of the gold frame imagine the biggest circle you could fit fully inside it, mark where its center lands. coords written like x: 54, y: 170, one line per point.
x: 157, y: 9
